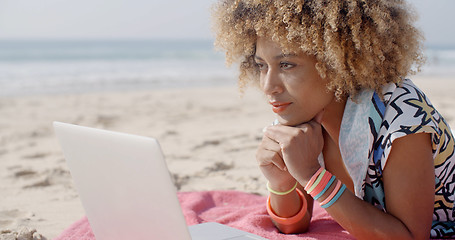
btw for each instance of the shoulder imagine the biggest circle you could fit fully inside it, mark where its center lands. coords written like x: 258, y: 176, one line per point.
x: 406, y: 111
x: 395, y: 93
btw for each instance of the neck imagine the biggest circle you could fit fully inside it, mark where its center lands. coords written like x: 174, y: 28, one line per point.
x: 333, y: 115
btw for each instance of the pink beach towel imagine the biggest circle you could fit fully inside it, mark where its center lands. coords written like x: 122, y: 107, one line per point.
x: 236, y: 209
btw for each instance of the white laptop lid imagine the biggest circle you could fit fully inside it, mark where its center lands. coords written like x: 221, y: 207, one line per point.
x: 123, y: 183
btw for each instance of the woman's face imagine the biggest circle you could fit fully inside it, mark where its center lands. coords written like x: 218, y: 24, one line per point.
x: 291, y: 83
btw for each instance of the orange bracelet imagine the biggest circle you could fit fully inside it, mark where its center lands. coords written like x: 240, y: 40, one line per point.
x: 290, y: 220
x: 321, y: 185
x: 313, y: 178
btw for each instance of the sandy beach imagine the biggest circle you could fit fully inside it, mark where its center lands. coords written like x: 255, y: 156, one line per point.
x: 208, y: 135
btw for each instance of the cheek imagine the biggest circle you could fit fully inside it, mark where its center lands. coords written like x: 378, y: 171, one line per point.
x: 260, y: 83
x: 313, y: 98
x: 260, y: 80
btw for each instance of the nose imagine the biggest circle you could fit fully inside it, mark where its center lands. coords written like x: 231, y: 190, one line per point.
x: 271, y: 83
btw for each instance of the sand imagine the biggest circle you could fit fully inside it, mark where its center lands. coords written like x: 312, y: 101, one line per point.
x: 208, y: 135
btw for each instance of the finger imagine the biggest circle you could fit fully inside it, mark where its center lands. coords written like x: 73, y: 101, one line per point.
x: 269, y: 144
x: 278, y: 161
x: 279, y: 133
x: 266, y: 157
x: 313, y: 124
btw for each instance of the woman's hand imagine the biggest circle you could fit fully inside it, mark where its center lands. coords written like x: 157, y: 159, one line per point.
x: 271, y: 163
x: 291, y: 150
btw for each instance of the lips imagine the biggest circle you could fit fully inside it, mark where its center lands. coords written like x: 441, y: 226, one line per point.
x: 278, y: 107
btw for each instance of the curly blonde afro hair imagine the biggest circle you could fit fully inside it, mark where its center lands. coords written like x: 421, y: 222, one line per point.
x: 358, y: 44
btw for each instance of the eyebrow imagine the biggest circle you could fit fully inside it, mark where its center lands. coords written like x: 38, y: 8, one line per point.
x: 278, y: 56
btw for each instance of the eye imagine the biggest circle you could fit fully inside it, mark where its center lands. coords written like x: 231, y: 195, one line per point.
x: 261, y: 66
x: 286, y: 65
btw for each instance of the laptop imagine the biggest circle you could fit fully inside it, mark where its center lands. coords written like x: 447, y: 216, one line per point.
x: 126, y: 189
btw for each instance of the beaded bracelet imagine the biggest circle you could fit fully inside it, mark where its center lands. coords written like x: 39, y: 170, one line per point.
x: 281, y: 193
x: 290, y: 220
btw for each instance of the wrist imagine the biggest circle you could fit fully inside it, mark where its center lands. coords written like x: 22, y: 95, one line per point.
x: 304, y: 179
x: 324, y: 185
x: 281, y: 193
x: 292, y: 219
x: 282, y: 186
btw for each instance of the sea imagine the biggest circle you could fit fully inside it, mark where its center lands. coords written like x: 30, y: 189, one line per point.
x: 42, y: 67
x: 71, y: 67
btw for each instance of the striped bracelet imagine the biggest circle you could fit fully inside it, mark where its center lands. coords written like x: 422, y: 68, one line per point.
x: 334, y: 196
x: 332, y: 179
x: 320, y: 182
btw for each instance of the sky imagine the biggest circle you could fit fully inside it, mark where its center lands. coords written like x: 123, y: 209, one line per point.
x: 159, y: 19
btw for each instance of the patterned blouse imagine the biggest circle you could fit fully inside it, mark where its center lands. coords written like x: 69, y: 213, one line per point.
x: 368, y: 129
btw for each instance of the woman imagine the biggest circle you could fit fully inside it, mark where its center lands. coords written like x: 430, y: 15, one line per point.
x: 351, y: 132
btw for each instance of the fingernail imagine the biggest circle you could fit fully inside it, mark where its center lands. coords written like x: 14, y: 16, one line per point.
x: 264, y: 129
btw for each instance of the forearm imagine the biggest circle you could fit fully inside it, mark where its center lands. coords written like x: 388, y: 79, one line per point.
x: 409, y: 195
x: 289, y: 205
x: 364, y: 221
x: 360, y: 218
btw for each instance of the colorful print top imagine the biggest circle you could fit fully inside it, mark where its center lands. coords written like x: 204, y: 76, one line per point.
x: 368, y: 129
